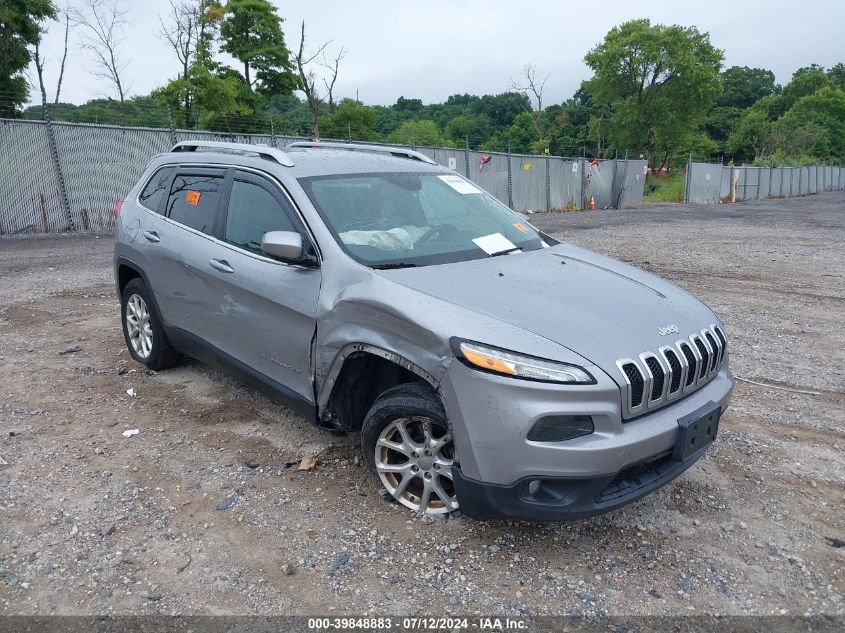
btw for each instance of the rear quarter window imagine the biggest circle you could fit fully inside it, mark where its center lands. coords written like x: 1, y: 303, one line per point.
x: 156, y: 188
x: 194, y: 201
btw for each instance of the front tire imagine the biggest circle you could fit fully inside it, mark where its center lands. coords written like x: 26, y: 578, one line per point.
x: 406, y: 440
x: 142, y: 329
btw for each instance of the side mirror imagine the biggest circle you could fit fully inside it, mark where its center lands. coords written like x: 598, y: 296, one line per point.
x: 286, y: 245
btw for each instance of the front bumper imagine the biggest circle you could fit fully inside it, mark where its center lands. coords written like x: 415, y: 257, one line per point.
x: 562, y: 498
x: 491, y: 416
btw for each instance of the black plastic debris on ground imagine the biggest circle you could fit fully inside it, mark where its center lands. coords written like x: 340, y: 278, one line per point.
x: 835, y: 542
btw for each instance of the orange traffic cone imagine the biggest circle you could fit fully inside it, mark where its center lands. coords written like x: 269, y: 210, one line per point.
x: 592, y: 203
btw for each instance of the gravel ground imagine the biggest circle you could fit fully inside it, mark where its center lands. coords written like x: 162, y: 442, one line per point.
x: 204, y: 511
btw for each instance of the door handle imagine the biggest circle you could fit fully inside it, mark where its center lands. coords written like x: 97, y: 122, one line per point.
x: 222, y: 265
x: 152, y: 236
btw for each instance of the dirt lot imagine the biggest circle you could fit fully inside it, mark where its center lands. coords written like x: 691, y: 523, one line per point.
x: 201, y: 512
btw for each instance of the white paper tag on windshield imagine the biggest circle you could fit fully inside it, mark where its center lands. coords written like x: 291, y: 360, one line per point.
x: 459, y: 184
x: 494, y: 243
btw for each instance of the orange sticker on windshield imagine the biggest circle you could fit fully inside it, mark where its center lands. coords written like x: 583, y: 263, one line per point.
x: 519, y: 226
x: 193, y: 198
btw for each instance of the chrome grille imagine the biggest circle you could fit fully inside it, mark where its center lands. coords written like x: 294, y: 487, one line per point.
x: 674, y: 370
x: 692, y: 362
x: 635, y: 383
x: 657, y: 376
x: 655, y: 379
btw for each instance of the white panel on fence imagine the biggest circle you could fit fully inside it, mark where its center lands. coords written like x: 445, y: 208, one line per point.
x: 704, y: 182
x: 529, y: 182
x: 599, y: 183
x: 633, y: 179
x: 489, y: 170
x: 566, y: 184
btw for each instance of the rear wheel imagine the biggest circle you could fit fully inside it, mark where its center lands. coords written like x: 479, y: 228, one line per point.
x: 142, y: 329
x: 406, y: 440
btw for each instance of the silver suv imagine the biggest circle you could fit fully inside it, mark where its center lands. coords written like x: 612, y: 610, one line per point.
x: 484, y: 364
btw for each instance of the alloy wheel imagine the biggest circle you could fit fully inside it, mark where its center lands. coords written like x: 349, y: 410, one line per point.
x: 138, y: 326
x: 414, y: 458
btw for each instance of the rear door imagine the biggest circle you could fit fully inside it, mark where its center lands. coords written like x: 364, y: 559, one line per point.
x: 182, y: 277
x: 265, y: 316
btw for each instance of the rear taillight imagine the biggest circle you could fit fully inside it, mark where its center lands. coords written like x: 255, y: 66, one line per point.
x: 118, y: 205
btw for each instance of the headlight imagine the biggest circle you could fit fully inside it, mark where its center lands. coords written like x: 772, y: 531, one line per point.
x: 499, y: 361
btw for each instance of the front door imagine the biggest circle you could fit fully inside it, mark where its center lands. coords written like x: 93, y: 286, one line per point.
x: 265, y: 316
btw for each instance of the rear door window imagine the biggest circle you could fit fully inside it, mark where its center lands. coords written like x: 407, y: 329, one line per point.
x: 156, y: 189
x: 254, y: 211
x: 194, y: 200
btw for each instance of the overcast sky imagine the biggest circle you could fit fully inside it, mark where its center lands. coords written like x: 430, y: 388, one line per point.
x: 430, y: 49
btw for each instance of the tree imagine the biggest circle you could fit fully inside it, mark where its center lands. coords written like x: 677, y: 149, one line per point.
x: 333, y: 68
x: 19, y: 29
x: 837, y: 75
x: 475, y: 128
x: 744, y: 86
x: 503, y: 108
x: 65, y: 14
x: 660, y: 82
x: 532, y: 84
x: 104, y: 23
x: 350, y: 120
x: 805, y: 81
x: 423, y: 132
x: 39, y: 71
x: 815, y: 125
x: 252, y: 34
x: 210, y: 95
x: 308, y: 81
x: 752, y: 134
x: 39, y: 61
x: 181, y: 30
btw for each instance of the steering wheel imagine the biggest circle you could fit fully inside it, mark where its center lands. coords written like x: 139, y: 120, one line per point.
x: 435, y: 230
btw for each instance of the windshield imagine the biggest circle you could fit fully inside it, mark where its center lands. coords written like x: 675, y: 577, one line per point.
x: 388, y: 220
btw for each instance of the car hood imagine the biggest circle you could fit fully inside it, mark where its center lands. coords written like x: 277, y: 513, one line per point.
x: 598, y: 307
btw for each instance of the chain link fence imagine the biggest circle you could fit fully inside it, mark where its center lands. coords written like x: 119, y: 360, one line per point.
x: 714, y: 184
x: 67, y: 177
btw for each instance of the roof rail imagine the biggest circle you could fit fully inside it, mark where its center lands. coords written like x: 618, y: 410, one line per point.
x: 383, y: 149
x: 262, y: 151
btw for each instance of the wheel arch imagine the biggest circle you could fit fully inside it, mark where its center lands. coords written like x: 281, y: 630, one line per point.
x: 125, y: 271
x: 371, y: 370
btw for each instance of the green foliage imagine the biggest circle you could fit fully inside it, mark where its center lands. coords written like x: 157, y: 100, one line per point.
x: 805, y: 81
x: 780, y: 159
x: 805, y: 121
x: 350, y: 120
x: 719, y: 122
x: 660, y: 82
x: 752, y: 133
x: 215, y: 94
x: 20, y: 28
x: 743, y: 86
x: 252, y: 34
x: 424, y: 132
x: 815, y: 125
x: 137, y: 112
x: 670, y: 188
x: 289, y: 114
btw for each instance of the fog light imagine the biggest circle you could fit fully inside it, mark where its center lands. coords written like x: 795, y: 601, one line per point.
x: 534, y: 487
x: 558, y: 428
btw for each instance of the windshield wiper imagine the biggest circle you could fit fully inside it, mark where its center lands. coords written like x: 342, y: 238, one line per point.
x: 505, y: 252
x: 394, y: 265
